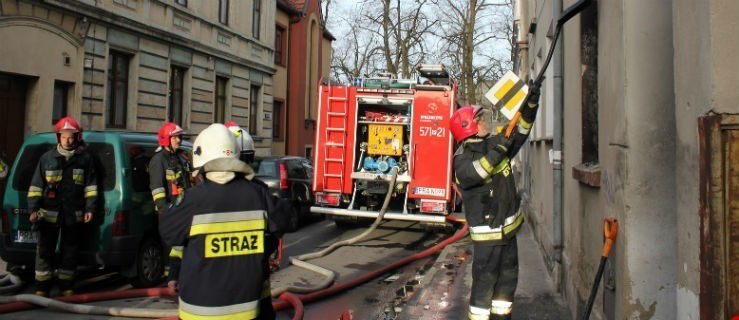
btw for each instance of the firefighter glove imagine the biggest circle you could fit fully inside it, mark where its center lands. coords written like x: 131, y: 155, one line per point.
x: 534, y: 93
x: 528, y: 112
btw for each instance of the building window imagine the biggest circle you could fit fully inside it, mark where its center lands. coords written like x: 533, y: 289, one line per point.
x: 181, y: 2
x: 220, y: 109
x: 279, y: 45
x: 278, y: 123
x: 223, y: 11
x: 117, y: 95
x: 176, y: 86
x: 253, y: 109
x: 59, y: 110
x: 256, y: 21
x: 589, y: 56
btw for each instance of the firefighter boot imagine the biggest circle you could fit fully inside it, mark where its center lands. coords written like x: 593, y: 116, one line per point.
x: 42, y: 288
x: 65, y: 287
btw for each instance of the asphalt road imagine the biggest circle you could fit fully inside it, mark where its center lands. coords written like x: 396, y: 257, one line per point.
x: 390, y: 242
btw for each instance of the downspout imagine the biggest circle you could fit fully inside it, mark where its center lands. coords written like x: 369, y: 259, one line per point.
x: 288, y: 105
x: 557, y: 201
x: 523, y: 38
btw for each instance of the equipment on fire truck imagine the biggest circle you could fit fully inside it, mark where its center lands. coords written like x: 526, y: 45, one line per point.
x: 365, y: 130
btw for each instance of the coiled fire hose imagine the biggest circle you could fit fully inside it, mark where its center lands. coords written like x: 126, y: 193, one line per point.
x: 10, y: 283
x: 27, y: 301
x: 329, y: 274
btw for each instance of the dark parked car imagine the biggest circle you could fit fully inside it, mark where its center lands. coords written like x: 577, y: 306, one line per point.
x: 289, y: 178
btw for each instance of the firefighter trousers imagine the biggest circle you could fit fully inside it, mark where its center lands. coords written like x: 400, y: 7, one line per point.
x: 48, y: 233
x: 494, y: 275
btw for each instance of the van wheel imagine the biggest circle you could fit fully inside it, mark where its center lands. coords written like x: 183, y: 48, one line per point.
x: 149, y: 265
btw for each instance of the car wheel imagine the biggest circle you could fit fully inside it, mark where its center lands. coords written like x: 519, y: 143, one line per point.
x: 149, y: 265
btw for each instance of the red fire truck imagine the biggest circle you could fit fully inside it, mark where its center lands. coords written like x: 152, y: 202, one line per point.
x: 366, y: 129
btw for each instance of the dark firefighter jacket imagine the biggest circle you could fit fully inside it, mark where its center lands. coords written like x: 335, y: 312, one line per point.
x: 169, y: 176
x: 61, y: 189
x: 484, y: 177
x: 228, y: 232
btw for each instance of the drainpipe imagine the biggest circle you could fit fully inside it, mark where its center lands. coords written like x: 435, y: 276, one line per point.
x: 557, y: 201
x: 523, y: 38
x: 288, y: 105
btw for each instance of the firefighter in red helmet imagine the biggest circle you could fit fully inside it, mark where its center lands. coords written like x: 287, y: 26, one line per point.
x: 483, y: 175
x: 62, y: 196
x: 169, y: 175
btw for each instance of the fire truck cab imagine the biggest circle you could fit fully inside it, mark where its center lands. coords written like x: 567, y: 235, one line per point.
x: 366, y: 129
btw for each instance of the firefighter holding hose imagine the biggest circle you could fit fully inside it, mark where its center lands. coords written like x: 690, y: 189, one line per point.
x: 169, y: 176
x: 224, y: 224
x: 484, y: 177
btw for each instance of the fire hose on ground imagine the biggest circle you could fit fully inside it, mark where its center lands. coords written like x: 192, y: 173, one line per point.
x: 284, y: 295
x: 10, y: 283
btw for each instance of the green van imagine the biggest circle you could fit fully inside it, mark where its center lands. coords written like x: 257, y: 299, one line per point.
x: 123, y: 235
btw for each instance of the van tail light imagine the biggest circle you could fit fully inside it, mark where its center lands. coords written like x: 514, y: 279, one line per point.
x: 120, y: 223
x: 5, y: 222
x: 283, y: 176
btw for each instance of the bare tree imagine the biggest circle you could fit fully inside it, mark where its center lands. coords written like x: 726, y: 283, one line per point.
x: 402, y: 28
x: 469, y: 30
x: 357, y: 50
x: 471, y: 37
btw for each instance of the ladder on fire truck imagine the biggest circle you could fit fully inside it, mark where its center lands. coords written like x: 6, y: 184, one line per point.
x: 336, y: 131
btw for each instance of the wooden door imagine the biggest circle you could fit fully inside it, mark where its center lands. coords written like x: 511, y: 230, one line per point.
x: 12, y: 118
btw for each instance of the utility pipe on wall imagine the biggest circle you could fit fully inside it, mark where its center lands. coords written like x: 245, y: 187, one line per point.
x: 557, y: 145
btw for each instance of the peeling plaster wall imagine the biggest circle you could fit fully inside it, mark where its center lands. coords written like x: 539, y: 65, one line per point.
x: 706, y: 79
x: 649, y: 225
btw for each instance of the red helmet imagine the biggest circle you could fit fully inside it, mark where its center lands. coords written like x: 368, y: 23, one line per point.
x: 462, y: 124
x: 68, y: 124
x: 168, y: 130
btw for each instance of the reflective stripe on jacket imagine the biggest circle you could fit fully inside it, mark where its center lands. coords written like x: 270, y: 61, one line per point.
x: 63, y: 188
x: 489, y: 192
x: 227, y: 232
x: 164, y: 169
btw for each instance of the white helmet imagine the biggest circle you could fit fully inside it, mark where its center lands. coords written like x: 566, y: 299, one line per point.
x: 215, y: 142
x: 244, y: 142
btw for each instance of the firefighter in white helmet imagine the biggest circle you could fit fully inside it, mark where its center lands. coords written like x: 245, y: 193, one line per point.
x: 483, y: 175
x: 224, y: 225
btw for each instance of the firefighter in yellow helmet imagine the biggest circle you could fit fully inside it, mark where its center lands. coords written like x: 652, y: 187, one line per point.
x: 483, y: 175
x: 224, y: 225
x: 61, y: 197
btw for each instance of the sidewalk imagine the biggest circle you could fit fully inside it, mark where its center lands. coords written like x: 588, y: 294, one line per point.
x: 445, y: 293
